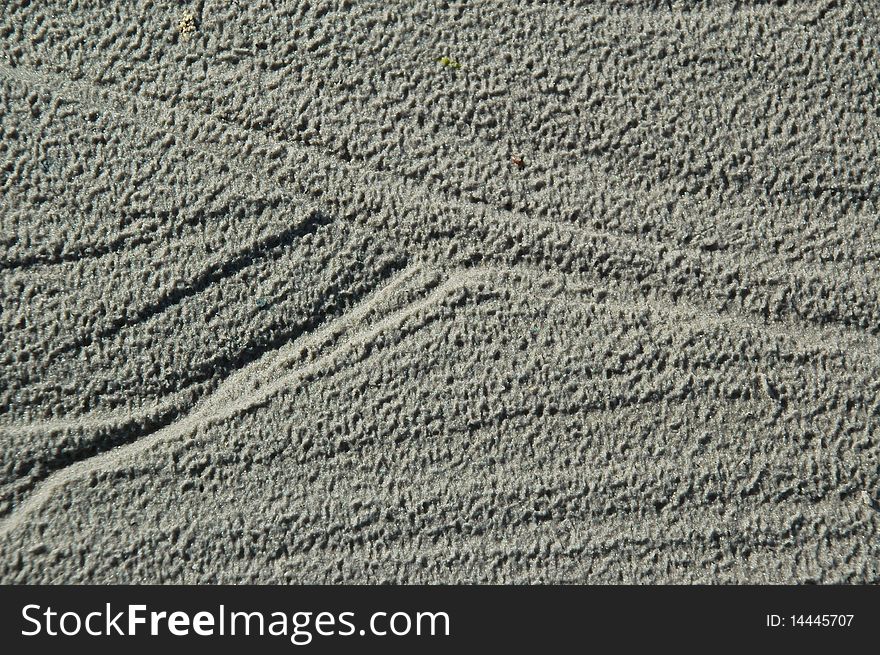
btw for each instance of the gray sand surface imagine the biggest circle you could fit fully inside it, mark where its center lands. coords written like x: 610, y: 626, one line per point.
x: 277, y: 306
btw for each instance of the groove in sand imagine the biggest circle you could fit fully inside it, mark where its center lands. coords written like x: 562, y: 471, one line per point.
x: 210, y: 410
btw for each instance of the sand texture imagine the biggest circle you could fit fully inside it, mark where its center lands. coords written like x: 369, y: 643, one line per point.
x: 437, y: 292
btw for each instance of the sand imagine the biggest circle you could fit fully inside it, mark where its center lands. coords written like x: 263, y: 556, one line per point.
x: 436, y: 292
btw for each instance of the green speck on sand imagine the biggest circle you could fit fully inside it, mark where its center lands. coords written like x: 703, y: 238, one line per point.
x: 262, y: 303
x: 449, y: 62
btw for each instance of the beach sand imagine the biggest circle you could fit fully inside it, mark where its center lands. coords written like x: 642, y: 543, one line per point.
x: 439, y: 292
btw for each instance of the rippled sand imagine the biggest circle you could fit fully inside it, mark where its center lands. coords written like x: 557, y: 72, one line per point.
x: 439, y: 292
